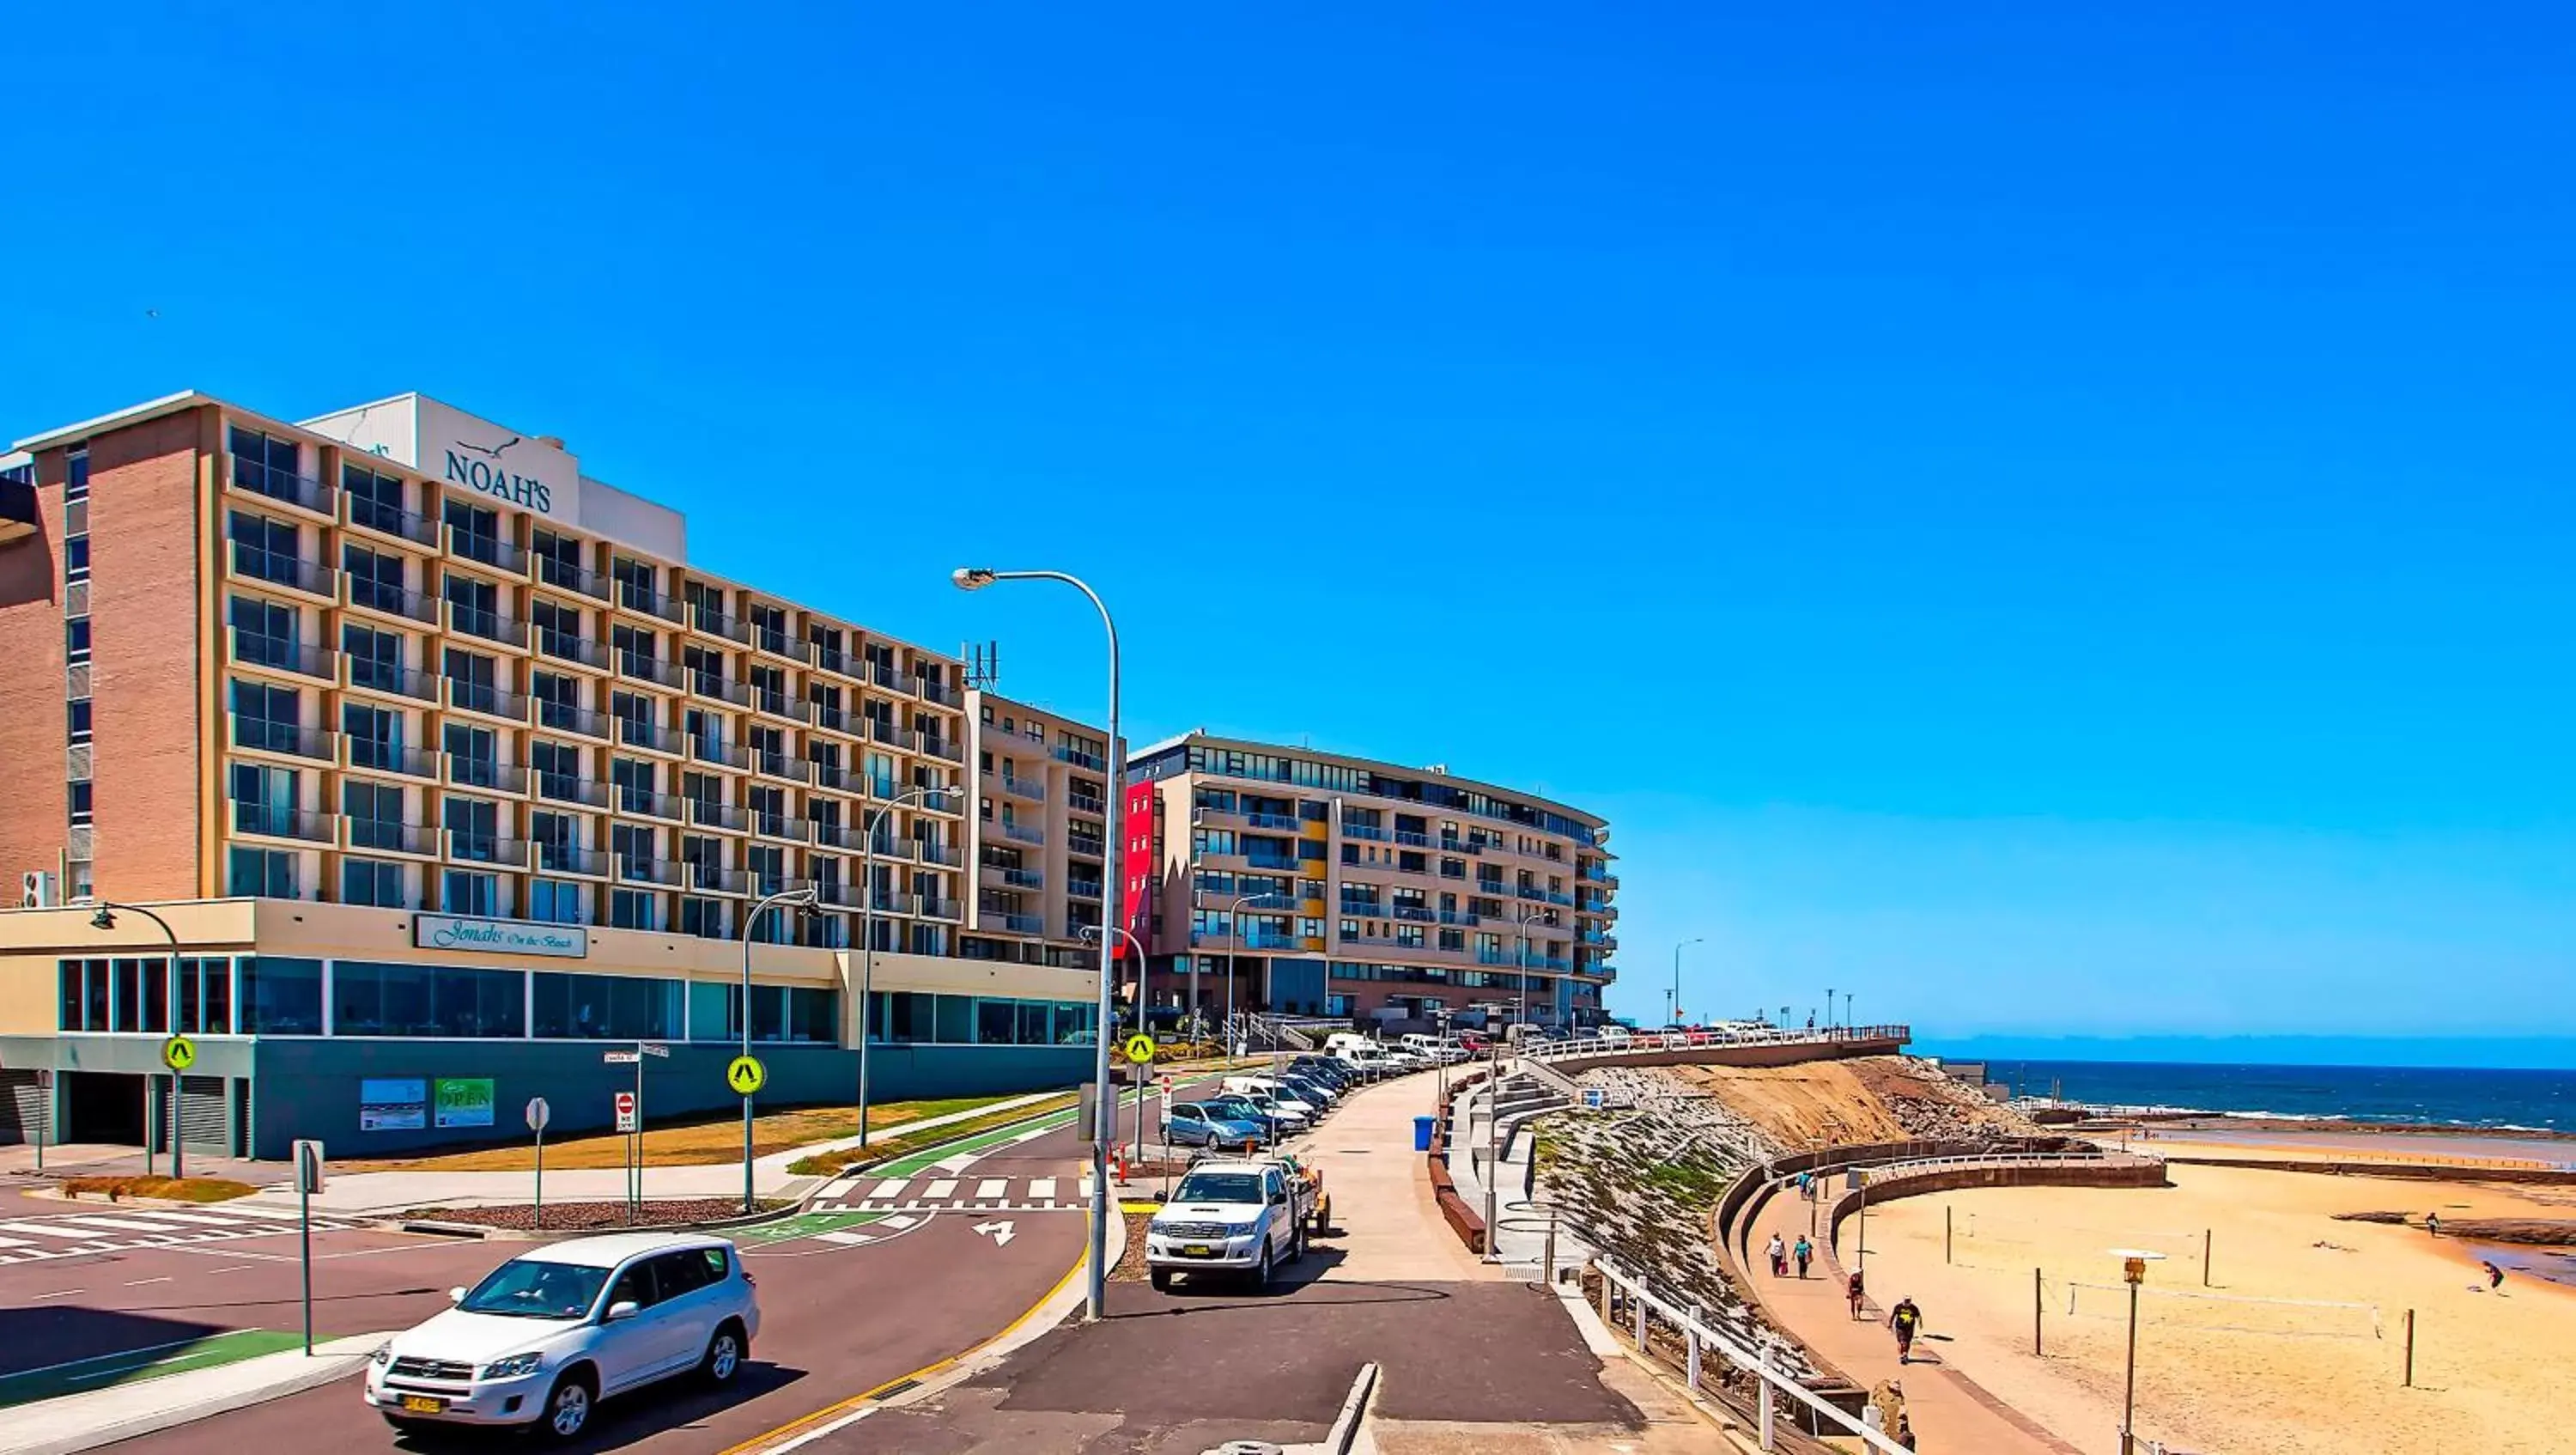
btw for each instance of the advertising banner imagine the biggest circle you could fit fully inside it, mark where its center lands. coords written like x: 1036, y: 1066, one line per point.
x: 465, y: 1102
x: 393, y: 1104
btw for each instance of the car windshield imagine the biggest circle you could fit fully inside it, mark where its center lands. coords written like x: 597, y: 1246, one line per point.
x: 1235, y: 1105
x: 1219, y: 1187
x: 526, y: 1288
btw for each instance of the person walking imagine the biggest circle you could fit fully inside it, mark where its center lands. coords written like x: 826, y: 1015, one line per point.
x: 1805, y: 1252
x: 2433, y: 1223
x: 2495, y: 1275
x: 1779, y: 1252
x: 1852, y: 1291
x: 1907, y: 1321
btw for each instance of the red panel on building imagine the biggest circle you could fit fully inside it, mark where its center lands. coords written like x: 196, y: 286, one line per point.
x: 1136, y: 863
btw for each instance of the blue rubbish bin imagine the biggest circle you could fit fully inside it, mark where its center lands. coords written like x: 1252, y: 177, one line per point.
x: 1422, y: 1132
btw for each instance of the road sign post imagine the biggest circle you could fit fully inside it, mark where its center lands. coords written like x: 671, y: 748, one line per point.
x: 538, y: 1115
x: 44, y: 1123
x: 308, y: 1181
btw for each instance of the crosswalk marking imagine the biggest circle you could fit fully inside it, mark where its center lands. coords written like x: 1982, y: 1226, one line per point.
x: 892, y: 1187
x: 1042, y: 1189
x: 85, y: 1234
x: 49, y: 1230
x: 992, y: 1189
x: 198, y: 1220
x: 847, y: 1238
x: 940, y: 1189
x: 115, y: 1225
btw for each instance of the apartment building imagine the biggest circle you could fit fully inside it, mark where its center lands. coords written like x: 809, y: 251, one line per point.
x: 1039, y: 835
x: 403, y: 660
x: 1301, y: 882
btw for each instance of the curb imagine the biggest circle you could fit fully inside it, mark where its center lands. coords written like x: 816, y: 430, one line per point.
x: 444, y: 1229
x: 323, y: 1369
x: 1346, y: 1429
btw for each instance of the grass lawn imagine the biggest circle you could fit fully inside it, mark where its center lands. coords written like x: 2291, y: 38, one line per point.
x: 830, y: 1164
x: 184, y: 1189
x: 683, y: 1143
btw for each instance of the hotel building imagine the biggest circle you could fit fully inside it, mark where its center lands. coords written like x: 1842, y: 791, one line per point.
x: 1304, y: 883
x: 439, y: 757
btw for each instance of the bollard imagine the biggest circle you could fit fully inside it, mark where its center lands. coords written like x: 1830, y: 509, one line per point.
x: 1548, y: 1258
x: 1690, y: 1340
x: 1769, y: 1399
x: 1641, y: 1323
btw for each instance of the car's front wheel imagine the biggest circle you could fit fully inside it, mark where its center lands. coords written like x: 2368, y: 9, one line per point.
x: 567, y: 1407
x: 1261, y: 1274
x: 724, y: 1354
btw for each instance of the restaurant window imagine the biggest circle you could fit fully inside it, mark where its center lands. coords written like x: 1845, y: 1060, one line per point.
x: 606, y: 1007
x: 281, y: 996
x: 427, y: 1000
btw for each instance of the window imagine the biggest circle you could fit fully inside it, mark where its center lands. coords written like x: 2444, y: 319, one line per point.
x: 372, y: 882
x: 555, y: 901
x: 281, y: 996
x: 374, y: 500
x: 462, y: 891
x: 634, y: 909
x: 374, y: 734
x: 427, y: 1000
x: 80, y: 796
x: 375, y: 580
x: 704, y: 918
x: 76, y: 558
x: 76, y: 640
x: 606, y: 1007
x: 375, y: 812
x: 76, y: 473
x: 260, y: 873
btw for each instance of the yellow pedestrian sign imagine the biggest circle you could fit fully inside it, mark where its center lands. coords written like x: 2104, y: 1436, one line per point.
x: 178, y: 1053
x: 1140, y: 1049
x: 746, y: 1075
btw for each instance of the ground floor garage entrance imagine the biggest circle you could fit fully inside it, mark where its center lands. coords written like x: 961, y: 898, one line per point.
x: 101, y: 1106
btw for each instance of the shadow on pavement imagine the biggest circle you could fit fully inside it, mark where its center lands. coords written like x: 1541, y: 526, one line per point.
x: 628, y: 1419
x: 42, y: 1337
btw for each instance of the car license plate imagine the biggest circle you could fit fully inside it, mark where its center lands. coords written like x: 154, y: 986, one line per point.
x: 1196, y: 1250
x: 420, y: 1404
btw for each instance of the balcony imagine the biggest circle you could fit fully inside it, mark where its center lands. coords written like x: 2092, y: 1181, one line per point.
x: 1088, y: 846
x: 942, y: 854
x: 890, y: 901
x: 361, y: 513
x: 1078, y: 757
x: 832, y: 660
x: 567, y: 718
x: 1097, y: 808
x: 942, y: 906
x: 373, y: 674
x: 648, y: 804
x: 485, y: 698
x: 563, y: 575
x: 465, y: 846
x: 275, y: 568
x: 780, y: 826
x: 285, y: 486
x: 833, y: 836
x: 1015, y: 922
x: 888, y: 734
x: 635, y: 869
x: 833, y: 776
x: 829, y: 716
x: 779, y: 765
x: 377, y: 755
x: 1469, y: 847
x: 492, y: 551
x: 491, y: 626
x: 361, y: 593
x: 553, y: 858
x: 839, y: 896
x: 563, y: 646
x: 259, y: 735
x: 1028, y: 788
x: 889, y: 847
x: 706, y: 749
x: 1021, y: 833
x: 1364, y: 908
x: 1280, y: 821
x: 715, y: 878
x: 388, y: 836
x: 710, y: 815
x: 565, y: 788
x: 639, y: 596
x: 1018, y: 878
x: 484, y: 774
x: 283, y: 654
x: 650, y: 669
x: 887, y: 674
x: 949, y: 748
x: 273, y: 821
x: 934, y: 690
x: 1082, y: 888
x: 709, y: 618
x: 780, y: 644
x: 1352, y: 830
x: 1419, y: 914
x: 706, y: 683
x: 1274, y: 862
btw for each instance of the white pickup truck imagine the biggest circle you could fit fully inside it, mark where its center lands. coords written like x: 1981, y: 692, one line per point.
x: 1234, y: 1215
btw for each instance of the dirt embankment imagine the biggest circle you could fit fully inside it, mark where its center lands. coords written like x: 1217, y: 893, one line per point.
x: 1866, y: 1099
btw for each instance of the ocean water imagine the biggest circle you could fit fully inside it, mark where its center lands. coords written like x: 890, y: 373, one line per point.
x: 2449, y: 1097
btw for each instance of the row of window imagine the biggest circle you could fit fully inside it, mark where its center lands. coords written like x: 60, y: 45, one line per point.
x: 1335, y: 778
x: 76, y: 644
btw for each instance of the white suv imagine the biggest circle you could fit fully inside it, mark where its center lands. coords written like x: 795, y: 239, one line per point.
x: 546, y: 1336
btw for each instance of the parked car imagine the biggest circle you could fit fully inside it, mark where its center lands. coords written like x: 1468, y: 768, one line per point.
x: 1273, y: 1124
x: 1258, y: 1087
x: 1311, y: 1088
x: 1330, y: 1070
x: 544, y: 1337
x: 1196, y: 1124
x: 1237, y: 1215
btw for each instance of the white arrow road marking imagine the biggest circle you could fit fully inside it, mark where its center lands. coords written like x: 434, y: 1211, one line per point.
x: 1000, y: 1233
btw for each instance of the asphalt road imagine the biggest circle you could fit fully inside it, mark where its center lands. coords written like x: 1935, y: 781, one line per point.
x: 839, y: 1319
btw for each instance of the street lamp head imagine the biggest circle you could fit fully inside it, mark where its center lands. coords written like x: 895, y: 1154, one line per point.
x: 102, y: 920
x: 972, y: 578
x: 804, y: 898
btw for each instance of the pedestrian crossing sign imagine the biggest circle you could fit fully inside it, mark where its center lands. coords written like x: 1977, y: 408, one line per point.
x: 178, y: 1053
x: 1140, y: 1049
x: 746, y: 1075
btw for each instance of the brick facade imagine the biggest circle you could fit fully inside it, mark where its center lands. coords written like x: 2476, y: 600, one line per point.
x: 34, y: 810
x: 145, y: 604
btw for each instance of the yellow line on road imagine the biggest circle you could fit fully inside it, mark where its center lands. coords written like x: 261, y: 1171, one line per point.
x: 796, y: 1427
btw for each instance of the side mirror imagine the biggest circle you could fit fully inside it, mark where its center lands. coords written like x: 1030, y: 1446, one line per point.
x: 623, y: 1309
x: 1278, y: 1199
x: 456, y: 1295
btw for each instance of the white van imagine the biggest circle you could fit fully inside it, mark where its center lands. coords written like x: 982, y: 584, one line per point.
x: 1340, y: 1041
x: 1444, y: 1049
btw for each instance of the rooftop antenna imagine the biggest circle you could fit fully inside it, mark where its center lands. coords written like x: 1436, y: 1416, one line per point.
x: 983, y: 664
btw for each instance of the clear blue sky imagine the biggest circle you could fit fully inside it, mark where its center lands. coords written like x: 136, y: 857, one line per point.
x: 2055, y: 521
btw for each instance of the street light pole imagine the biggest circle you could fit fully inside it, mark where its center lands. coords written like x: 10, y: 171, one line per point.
x: 1234, y: 957
x: 1105, y: 1130
x: 868, y: 931
x: 1525, y: 917
x: 104, y: 920
x: 1673, y: 1002
x: 2135, y: 1270
x: 798, y: 898
x: 1092, y: 932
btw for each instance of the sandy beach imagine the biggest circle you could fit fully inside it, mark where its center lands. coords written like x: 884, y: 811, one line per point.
x: 2238, y: 1378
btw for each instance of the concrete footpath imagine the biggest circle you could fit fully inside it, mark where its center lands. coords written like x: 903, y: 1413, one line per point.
x: 1949, y: 1411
